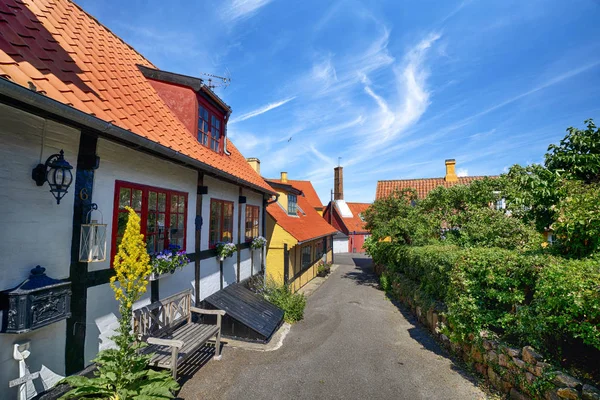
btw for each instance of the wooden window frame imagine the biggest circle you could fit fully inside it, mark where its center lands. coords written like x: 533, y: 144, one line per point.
x: 294, y: 211
x: 254, y: 213
x: 143, y: 212
x: 206, y: 138
x: 222, y: 218
x: 310, y: 260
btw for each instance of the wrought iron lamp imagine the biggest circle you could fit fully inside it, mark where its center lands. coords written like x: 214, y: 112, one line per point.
x: 92, y: 242
x: 57, y: 172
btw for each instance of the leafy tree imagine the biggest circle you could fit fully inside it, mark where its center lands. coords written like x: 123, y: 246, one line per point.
x: 123, y: 372
x: 578, y: 154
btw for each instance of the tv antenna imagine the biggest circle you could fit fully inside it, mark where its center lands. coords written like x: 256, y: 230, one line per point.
x: 215, y: 81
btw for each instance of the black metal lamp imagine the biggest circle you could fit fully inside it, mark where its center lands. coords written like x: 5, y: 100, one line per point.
x: 57, y: 172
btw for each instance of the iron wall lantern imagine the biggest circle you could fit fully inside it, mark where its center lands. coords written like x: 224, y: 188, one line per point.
x: 92, y: 240
x: 57, y: 172
x: 37, y: 302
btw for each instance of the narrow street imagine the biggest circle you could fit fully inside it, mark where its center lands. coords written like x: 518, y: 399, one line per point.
x: 354, y: 343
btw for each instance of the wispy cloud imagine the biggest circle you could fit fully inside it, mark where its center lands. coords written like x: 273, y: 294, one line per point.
x: 261, y: 110
x: 462, y: 172
x: 237, y: 10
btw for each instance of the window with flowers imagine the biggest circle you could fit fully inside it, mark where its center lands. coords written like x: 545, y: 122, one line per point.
x: 162, y: 213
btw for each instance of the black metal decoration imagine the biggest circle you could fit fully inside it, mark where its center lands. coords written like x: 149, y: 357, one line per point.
x: 57, y: 172
x: 37, y: 302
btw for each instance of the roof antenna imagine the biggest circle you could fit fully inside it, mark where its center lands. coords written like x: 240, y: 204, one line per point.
x: 222, y: 81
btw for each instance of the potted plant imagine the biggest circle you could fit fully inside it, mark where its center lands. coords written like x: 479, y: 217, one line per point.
x: 323, y: 269
x: 225, y: 250
x: 258, y: 243
x: 168, y: 261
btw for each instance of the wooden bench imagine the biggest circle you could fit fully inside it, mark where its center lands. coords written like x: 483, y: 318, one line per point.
x: 167, y: 327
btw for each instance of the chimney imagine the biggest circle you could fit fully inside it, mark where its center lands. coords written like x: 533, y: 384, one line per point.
x: 284, y: 177
x: 338, y: 183
x: 254, y: 163
x: 451, y: 171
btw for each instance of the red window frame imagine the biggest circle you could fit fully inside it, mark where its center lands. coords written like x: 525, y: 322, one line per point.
x: 220, y: 231
x: 252, y: 222
x: 206, y: 126
x: 172, y: 213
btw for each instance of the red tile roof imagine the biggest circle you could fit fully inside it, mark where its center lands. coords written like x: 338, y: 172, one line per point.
x: 422, y: 186
x: 70, y: 57
x: 355, y: 224
x: 307, y: 188
x: 306, y: 226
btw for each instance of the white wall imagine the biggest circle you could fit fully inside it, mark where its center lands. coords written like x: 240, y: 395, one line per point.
x: 121, y: 163
x: 35, y: 229
x: 340, y: 246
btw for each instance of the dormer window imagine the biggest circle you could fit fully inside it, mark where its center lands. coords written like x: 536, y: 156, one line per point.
x: 210, y: 128
x: 292, y: 204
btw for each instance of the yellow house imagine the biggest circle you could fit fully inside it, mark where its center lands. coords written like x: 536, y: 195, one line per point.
x: 298, y: 238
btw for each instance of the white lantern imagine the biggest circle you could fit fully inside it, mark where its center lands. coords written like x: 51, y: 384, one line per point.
x: 92, y: 242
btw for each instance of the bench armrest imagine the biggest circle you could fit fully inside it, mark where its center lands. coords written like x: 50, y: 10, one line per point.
x: 165, y: 342
x: 207, y: 312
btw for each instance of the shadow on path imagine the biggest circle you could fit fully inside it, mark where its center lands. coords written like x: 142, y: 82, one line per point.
x: 363, y: 275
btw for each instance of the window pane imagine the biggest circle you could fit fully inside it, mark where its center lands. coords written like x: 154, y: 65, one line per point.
x: 174, y: 203
x: 150, y: 245
x: 181, y: 204
x: 121, y: 223
x: 152, y: 201
x: 124, y: 197
x: 151, y: 223
x: 162, y: 201
x: 136, y: 202
x: 161, y: 226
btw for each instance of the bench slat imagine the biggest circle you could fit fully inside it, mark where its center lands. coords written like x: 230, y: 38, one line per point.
x: 193, y: 336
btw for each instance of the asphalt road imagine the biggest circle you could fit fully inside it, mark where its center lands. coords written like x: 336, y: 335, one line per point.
x: 354, y: 343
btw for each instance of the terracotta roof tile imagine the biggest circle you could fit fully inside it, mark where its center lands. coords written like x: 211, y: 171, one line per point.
x: 306, y: 226
x: 307, y: 188
x: 355, y: 223
x: 422, y: 186
x: 74, y: 59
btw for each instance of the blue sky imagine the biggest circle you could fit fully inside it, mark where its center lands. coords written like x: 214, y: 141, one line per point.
x: 392, y: 87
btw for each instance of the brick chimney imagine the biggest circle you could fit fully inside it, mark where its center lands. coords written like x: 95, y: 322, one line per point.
x: 451, y: 171
x: 254, y: 163
x: 284, y: 177
x: 338, y: 183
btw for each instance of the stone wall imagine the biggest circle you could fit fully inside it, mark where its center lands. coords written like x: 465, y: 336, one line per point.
x: 521, y: 373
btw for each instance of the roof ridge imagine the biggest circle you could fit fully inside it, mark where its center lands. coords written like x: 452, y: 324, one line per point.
x: 430, y: 179
x: 112, y: 33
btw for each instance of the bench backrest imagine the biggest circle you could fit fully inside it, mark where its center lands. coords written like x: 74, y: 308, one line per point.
x: 162, y: 316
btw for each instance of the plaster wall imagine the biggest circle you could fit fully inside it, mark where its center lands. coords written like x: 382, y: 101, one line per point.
x: 118, y: 162
x: 35, y: 229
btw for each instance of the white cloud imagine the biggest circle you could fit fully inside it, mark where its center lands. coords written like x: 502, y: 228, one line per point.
x: 261, y: 110
x: 462, y: 172
x: 237, y: 10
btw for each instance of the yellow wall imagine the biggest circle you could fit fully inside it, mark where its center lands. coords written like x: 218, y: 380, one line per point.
x: 276, y: 238
x: 320, y: 211
x: 283, y: 200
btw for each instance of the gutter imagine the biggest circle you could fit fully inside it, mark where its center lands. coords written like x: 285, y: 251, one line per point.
x: 315, y: 238
x: 62, y: 112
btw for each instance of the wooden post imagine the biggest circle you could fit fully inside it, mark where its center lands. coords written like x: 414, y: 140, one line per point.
x: 198, y: 237
x: 286, y: 264
x: 239, y: 235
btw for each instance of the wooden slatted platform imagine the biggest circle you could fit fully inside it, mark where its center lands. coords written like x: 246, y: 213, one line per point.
x: 246, y: 308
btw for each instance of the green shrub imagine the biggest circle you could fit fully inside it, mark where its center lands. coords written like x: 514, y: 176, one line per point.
x: 567, y: 302
x: 488, y: 287
x: 292, y: 304
x: 384, y: 282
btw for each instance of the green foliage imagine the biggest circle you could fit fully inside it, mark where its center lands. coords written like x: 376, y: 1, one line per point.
x: 292, y: 304
x: 487, y: 288
x: 384, y: 282
x: 577, y: 226
x: 566, y: 303
x: 578, y: 154
x: 487, y: 227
